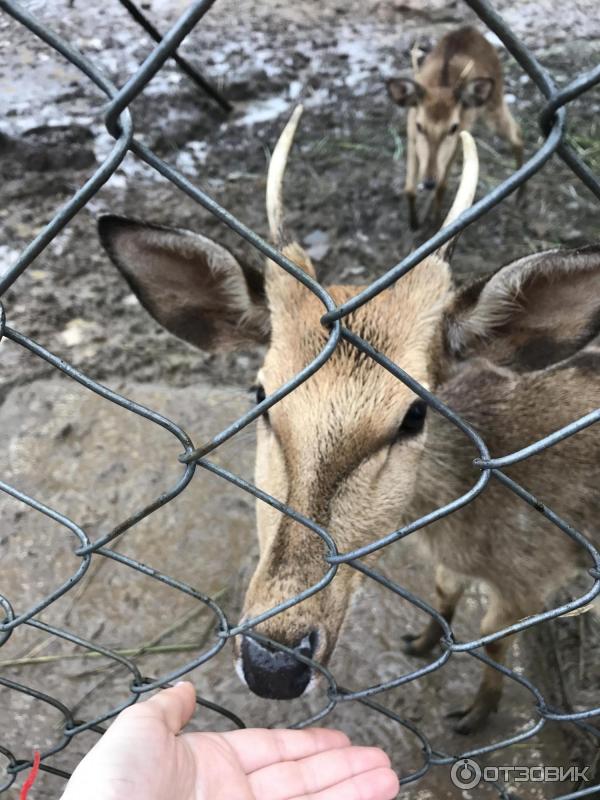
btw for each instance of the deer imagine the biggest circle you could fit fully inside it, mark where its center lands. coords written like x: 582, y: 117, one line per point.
x: 458, y: 81
x: 358, y: 452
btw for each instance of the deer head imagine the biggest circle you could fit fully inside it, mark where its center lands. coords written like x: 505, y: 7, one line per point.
x: 438, y: 115
x: 345, y: 447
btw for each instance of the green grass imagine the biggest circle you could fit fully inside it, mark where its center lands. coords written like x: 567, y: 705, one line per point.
x: 392, y: 146
x: 588, y: 147
x: 398, y: 143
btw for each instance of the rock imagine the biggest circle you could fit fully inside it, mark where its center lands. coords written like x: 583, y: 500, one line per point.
x: 49, y: 147
x: 573, y: 237
x: 317, y: 244
x: 79, y: 331
x: 246, y: 85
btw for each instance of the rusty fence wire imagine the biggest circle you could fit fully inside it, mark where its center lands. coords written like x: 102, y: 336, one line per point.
x: 194, y: 460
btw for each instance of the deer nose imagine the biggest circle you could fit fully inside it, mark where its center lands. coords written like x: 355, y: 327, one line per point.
x: 274, y: 674
x: 429, y: 184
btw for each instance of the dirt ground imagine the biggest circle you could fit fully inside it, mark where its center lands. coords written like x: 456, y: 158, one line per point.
x: 98, y: 463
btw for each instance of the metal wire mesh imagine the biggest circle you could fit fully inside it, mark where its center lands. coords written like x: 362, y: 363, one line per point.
x: 194, y: 460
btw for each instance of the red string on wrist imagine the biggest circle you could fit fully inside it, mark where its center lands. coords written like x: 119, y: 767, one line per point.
x: 31, y: 777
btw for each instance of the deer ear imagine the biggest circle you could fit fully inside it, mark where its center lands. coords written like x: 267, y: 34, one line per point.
x: 476, y: 92
x: 531, y: 313
x: 404, y: 91
x: 190, y: 285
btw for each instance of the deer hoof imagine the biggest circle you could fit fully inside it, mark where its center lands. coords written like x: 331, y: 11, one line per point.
x: 470, y: 720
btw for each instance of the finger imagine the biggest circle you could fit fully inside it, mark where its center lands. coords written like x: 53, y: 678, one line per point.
x: 377, y: 784
x: 310, y: 775
x: 174, y: 706
x: 257, y: 748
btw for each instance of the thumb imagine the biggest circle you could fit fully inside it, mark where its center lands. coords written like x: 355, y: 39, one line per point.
x: 175, y: 706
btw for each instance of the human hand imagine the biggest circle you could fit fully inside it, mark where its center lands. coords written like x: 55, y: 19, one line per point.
x: 142, y: 757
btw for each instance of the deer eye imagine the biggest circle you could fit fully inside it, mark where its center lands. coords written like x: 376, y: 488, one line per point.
x: 420, y: 128
x: 260, y: 396
x: 453, y: 129
x: 414, y: 419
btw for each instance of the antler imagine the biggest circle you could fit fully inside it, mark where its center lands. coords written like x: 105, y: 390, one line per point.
x: 466, y: 189
x: 275, y: 177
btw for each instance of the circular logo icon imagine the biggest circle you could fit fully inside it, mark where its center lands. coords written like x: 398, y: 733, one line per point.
x: 465, y: 773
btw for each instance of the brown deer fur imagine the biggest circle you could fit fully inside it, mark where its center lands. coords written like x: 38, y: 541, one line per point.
x: 510, y: 354
x: 459, y: 80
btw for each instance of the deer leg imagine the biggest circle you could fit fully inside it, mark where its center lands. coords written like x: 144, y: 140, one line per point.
x: 489, y: 692
x: 439, y: 200
x: 448, y: 588
x: 413, y: 218
x: 505, y: 124
x: 410, y: 187
x: 433, y: 212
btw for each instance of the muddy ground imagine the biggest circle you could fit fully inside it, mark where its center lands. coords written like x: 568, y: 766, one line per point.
x: 345, y: 204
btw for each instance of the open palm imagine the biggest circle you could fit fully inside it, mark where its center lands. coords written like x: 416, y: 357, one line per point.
x: 142, y: 757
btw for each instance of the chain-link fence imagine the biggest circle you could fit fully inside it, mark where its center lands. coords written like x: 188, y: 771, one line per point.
x: 195, y: 460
